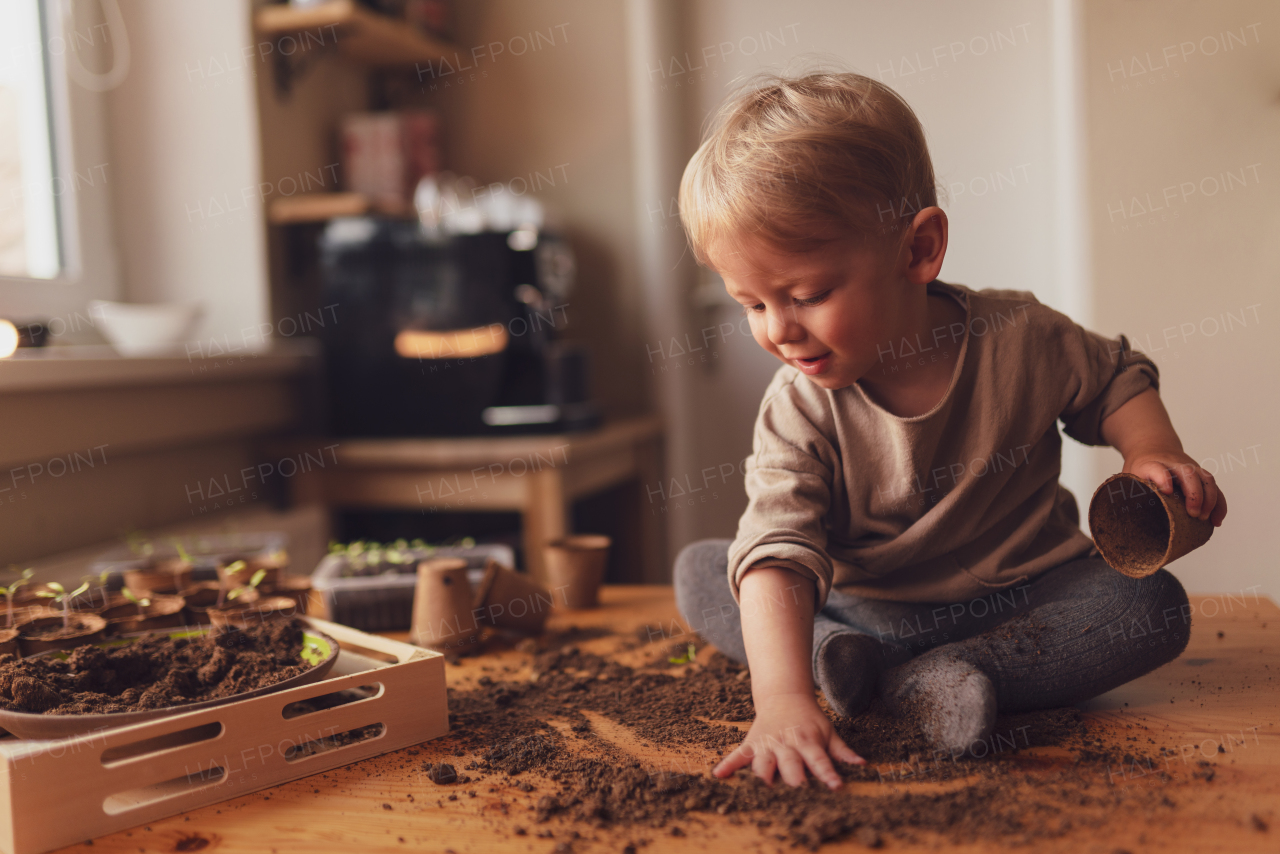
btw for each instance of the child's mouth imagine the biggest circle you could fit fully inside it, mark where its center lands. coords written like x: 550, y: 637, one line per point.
x: 815, y: 364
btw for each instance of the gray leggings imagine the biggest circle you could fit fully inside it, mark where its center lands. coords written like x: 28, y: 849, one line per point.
x: 1072, y: 633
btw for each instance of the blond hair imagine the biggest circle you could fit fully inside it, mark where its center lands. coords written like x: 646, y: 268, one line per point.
x: 788, y: 159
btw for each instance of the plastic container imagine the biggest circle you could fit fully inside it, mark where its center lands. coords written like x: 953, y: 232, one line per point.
x: 384, y: 602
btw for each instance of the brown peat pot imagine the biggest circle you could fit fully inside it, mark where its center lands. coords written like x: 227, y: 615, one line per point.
x: 242, y: 616
x: 443, y: 618
x: 202, y: 597
x: 507, y: 599
x: 272, y: 566
x: 163, y: 578
x: 164, y: 612
x: 296, y: 587
x: 1139, y: 529
x: 575, y: 569
x: 43, y: 634
x: 9, y: 642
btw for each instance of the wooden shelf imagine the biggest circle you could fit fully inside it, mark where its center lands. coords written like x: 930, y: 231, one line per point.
x: 361, y: 35
x: 316, y: 207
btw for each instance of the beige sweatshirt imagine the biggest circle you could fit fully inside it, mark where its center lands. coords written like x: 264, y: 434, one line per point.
x: 952, y: 504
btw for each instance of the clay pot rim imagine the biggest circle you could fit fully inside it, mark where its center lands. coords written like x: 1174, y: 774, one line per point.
x: 582, y: 543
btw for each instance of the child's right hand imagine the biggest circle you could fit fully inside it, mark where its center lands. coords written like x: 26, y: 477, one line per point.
x: 790, y: 733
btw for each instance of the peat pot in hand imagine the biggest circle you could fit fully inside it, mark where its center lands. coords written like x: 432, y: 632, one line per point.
x: 1139, y: 529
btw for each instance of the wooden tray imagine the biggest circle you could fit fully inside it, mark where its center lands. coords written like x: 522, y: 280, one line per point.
x: 54, y: 793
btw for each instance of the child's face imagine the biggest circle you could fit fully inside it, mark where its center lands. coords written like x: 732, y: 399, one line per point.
x: 830, y: 312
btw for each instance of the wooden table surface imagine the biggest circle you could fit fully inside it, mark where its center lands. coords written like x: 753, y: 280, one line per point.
x: 1222, y: 684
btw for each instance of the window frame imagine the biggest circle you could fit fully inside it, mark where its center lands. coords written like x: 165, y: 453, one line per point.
x: 89, y: 266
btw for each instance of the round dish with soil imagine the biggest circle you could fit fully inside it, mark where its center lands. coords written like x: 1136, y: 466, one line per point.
x: 44, y: 634
x: 151, y: 675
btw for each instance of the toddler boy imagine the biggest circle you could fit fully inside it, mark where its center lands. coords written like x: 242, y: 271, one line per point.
x: 905, y: 532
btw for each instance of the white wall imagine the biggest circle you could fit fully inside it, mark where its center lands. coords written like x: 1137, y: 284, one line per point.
x: 185, y: 162
x: 982, y: 80
x: 1169, y: 269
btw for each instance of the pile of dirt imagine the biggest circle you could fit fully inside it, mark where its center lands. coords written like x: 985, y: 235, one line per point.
x: 153, y: 673
x: 516, y: 731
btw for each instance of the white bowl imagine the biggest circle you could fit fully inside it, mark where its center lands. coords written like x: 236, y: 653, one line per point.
x: 145, y: 329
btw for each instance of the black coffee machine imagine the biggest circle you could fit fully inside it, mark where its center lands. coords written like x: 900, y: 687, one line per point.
x: 449, y: 335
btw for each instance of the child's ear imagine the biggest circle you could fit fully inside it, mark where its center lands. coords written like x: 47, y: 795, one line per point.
x: 928, y: 245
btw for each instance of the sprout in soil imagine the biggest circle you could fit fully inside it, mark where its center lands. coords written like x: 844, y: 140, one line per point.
x: 252, y: 585
x: 141, y: 603
x: 690, y: 653
x: 12, y: 590
x: 59, y: 594
x: 230, y: 569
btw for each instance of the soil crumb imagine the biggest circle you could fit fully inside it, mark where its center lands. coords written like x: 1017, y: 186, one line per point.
x: 153, y: 673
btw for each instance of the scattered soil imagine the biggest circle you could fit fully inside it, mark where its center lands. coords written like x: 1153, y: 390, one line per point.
x: 1043, y: 775
x: 153, y: 673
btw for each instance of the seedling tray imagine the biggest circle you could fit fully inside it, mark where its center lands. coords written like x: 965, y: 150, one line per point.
x: 206, y: 553
x: 384, y: 603
x: 380, y: 696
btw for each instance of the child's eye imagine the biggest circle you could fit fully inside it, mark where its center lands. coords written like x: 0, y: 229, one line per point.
x: 758, y: 307
x: 813, y: 300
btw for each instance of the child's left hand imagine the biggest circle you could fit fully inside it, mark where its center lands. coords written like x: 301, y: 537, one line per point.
x: 1204, y: 498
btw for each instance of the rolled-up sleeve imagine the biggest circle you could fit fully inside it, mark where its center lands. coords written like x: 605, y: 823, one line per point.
x: 1103, y: 375
x: 788, y: 483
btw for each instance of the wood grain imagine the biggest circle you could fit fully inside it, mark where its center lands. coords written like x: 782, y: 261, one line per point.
x: 1222, y: 690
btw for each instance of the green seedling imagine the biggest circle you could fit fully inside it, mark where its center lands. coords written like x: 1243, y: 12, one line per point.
x: 690, y: 653
x: 139, y: 544
x: 252, y: 585
x: 233, y: 568
x: 141, y: 603
x: 59, y: 594
x: 12, y: 590
x: 182, y: 552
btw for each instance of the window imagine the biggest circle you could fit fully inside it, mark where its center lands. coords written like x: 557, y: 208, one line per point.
x: 30, y: 244
x: 58, y: 59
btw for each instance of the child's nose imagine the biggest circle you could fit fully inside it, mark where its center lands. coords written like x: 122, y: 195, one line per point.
x: 783, y: 327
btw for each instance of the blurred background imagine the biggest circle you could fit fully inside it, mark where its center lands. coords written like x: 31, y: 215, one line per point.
x: 249, y: 250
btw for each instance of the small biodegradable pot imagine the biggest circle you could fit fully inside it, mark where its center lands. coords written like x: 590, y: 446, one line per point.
x: 507, y: 599
x: 203, y: 597
x: 9, y: 642
x: 296, y: 587
x: 163, y: 578
x: 273, y: 571
x: 43, y: 634
x: 253, y: 613
x: 1138, y: 529
x: 575, y: 569
x: 92, y: 601
x: 443, y: 616
x: 164, y: 612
